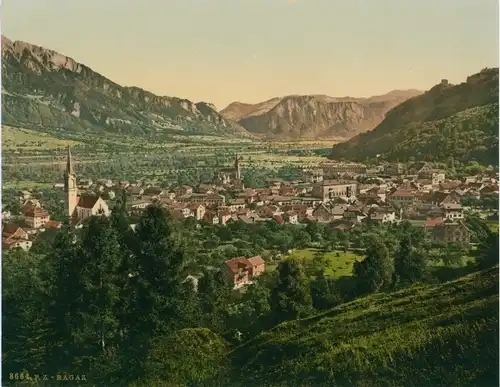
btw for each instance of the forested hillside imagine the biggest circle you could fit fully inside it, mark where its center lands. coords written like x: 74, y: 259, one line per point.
x: 448, y: 121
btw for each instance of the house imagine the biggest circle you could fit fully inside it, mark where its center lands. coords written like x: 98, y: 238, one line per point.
x: 36, y: 217
x: 240, y: 271
x: 322, y: 214
x: 197, y: 210
x: 452, y: 210
x: 312, y: 175
x: 14, y: 236
x: 451, y: 231
x: 394, y: 169
x: 53, y: 225
x: 211, y: 217
x: 183, y: 190
x: 291, y: 217
x: 382, y: 215
x: 329, y: 189
x: 89, y: 205
x: 402, y: 198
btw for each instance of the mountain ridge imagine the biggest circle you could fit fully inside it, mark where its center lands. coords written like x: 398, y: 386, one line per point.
x: 315, y: 115
x: 458, y: 121
x: 43, y: 89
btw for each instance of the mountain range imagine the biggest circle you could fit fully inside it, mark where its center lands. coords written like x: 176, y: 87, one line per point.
x: 315, y: 116
x: 448, y: 121
x: 42, y: 89
x: 45, y: 90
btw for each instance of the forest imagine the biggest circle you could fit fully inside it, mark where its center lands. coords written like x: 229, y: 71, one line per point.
x: 119, y: 305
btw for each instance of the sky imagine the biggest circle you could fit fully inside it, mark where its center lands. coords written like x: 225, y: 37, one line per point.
x: 221, y: 51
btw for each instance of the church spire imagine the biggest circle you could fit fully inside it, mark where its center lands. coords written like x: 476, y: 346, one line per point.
x: 69, y: 163
x: 237, y: 167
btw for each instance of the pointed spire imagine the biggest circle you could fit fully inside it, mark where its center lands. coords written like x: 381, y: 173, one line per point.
x: 69, y: 163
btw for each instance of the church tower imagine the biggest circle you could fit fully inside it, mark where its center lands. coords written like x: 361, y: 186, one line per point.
x: 70, y: 186
x: 237, y: 167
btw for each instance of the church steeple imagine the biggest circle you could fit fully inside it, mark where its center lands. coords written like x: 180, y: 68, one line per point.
x: 237, y: 167
x: 70, y: 186
x: 69, y: 163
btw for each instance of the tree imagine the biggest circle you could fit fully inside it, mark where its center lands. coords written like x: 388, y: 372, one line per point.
x: 25, y: 343
x: 291, y: 297
x: 375, y: 272
x: 156, y: 286
x: 213, y: 295
x: 410, y: 261
x: 324, y: 294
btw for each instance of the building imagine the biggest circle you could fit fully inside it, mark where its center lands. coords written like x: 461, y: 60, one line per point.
x: 332, y: 169
x: 403, y: 198
x: 330, y: 189
x: 208, y: 200
x: 79, y: 207
x: 312, y: 175
x: 451, y: 231
x: 394, y: 169
x: 14, y: 236
x: 36, y: 217
x: 227, y: 176
x: 240, y: 271
x: 452, y: 211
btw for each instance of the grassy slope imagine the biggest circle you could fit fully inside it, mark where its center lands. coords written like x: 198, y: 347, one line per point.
x: 445, y: 335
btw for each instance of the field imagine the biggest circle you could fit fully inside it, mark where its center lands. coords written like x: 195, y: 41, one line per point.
x: 444, y: 335
x: 339, y: 264
x: 29, y: 155
x: 25, y: 139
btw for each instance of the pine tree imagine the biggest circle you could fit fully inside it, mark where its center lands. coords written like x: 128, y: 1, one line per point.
x: 375, y: 272
x: 156, y: 286
x: 410, y: 261
x: 291, y: 297
x: 25, y: 344
x: 213, y: 295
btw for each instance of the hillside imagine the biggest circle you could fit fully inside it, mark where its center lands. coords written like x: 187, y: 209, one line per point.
x: 459, y: 121
x: 314, y: 116
x: 45, y: 90
x: 444, y: 335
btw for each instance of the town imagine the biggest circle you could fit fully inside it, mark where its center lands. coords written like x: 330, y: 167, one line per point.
x: 339, y: 195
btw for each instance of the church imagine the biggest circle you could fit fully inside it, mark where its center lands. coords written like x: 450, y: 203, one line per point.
x: 228, y: 176
x: 79, y: 207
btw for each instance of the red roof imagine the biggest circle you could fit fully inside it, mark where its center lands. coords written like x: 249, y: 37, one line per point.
x: 36, y: 213
x: 234, y: 264
x: 278, y: 219
x: 53, y: 224
x: 256, y: 261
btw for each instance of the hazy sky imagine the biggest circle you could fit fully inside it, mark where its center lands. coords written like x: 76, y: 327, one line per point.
x: 252, y: 50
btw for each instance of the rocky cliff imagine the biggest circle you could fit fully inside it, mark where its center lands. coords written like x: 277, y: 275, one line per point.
x: 43, y: 89
x: 315, y: 116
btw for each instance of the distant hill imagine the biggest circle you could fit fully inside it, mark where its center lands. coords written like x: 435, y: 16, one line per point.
x: 314, y: 116
x: 44, y: 90
x: 434, y: 335
x: 459, y: 121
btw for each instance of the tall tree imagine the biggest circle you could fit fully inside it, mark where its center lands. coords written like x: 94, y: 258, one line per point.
x: 375, y: 272
x: 291, y: 297
x: 214, y: 295
x: 410, y: 263
x: 156, y: 286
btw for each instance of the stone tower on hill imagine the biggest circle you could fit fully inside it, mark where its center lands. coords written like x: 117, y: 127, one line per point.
x: 70, y: 187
